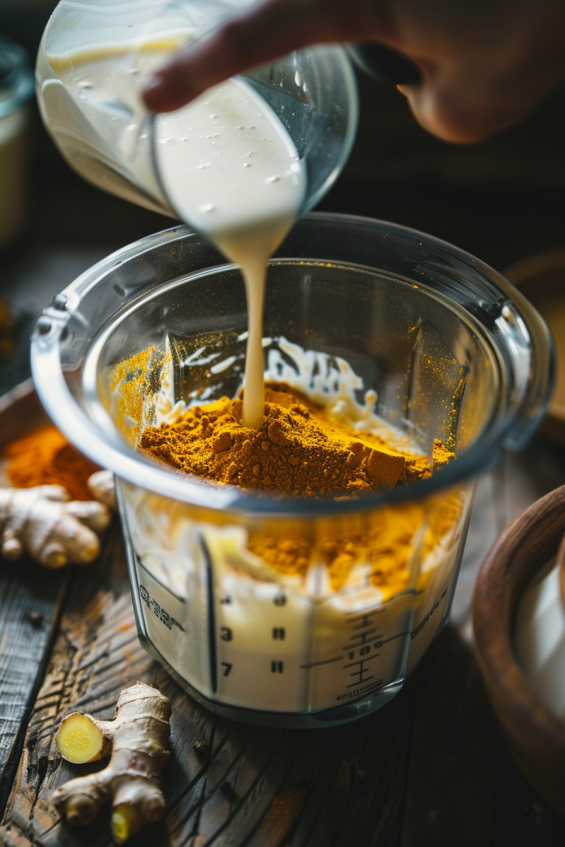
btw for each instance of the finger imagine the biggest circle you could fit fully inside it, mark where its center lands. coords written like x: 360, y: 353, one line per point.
x: 461, y: 115
x: 263, y: 33
x: 465, y: 100
x: 458, y: 120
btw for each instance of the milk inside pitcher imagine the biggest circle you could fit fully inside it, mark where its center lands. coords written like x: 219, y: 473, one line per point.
x: 96, y: 56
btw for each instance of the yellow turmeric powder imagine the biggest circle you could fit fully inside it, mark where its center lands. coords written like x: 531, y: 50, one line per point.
x: 301, y: 449
x: 45, y: 457
x: 385, y: 549
x: 294, y: 451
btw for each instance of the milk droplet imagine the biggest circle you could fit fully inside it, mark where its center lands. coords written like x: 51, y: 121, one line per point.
x: 209, y: 207
x: 274, y: 179
x: 246, y: 164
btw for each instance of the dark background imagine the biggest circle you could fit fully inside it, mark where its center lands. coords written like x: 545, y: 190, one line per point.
x: 501, y: 200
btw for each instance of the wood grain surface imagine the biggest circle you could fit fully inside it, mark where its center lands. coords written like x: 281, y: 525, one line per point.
x: 30, y: 603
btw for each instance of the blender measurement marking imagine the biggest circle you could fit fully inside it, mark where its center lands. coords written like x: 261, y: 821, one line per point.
x: 322, y: 662
x: 361, y: 670
x: 364, y: 641
x: 211, y: 615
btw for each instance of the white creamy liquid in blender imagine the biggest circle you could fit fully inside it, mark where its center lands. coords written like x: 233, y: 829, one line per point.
x: 226, y: 163
x: 230, y: 169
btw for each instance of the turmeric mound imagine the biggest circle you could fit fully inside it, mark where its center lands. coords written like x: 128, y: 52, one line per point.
x: 303, y: 449
x: 45, y: 457
x: 296, y: 450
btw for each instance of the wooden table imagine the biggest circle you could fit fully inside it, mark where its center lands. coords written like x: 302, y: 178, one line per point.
x: 430, y: 768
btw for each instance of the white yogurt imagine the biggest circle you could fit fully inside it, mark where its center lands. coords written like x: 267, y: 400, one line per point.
x: 540, y: 640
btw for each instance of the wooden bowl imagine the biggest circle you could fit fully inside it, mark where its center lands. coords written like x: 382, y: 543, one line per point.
x: 536, y: 737
x: 541, y: 278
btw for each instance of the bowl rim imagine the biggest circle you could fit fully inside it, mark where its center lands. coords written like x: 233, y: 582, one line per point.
x: 521, y: 550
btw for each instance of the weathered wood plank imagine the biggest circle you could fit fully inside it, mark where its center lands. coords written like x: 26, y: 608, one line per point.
x: 30, y: 601
x: 96, y: 649
x: 29, y: 608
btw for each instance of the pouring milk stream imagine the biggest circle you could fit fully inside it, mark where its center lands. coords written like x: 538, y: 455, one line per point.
x: 228, y: 168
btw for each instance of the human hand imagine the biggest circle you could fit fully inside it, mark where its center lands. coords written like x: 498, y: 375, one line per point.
x: 485, y: 64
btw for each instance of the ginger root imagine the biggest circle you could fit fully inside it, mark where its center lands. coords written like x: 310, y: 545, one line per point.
x: 138, y: 739
x: 42, y: 522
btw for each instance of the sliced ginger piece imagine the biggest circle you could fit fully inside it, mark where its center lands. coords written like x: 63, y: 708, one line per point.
x: 80, y: 739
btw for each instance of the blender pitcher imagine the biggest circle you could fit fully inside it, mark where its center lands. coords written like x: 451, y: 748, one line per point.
x: 95, y: 56
x: 422, y: 336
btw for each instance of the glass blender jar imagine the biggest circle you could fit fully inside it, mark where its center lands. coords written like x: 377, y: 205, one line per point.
x: 432, y: 341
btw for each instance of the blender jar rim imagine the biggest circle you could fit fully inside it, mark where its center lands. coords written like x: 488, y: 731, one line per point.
x: 111, y: 451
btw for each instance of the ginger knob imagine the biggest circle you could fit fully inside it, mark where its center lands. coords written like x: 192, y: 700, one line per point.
x: 41, y: 522
x: 137, y: 739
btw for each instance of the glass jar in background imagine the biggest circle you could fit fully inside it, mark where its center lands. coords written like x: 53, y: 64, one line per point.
x: 16, y: 89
